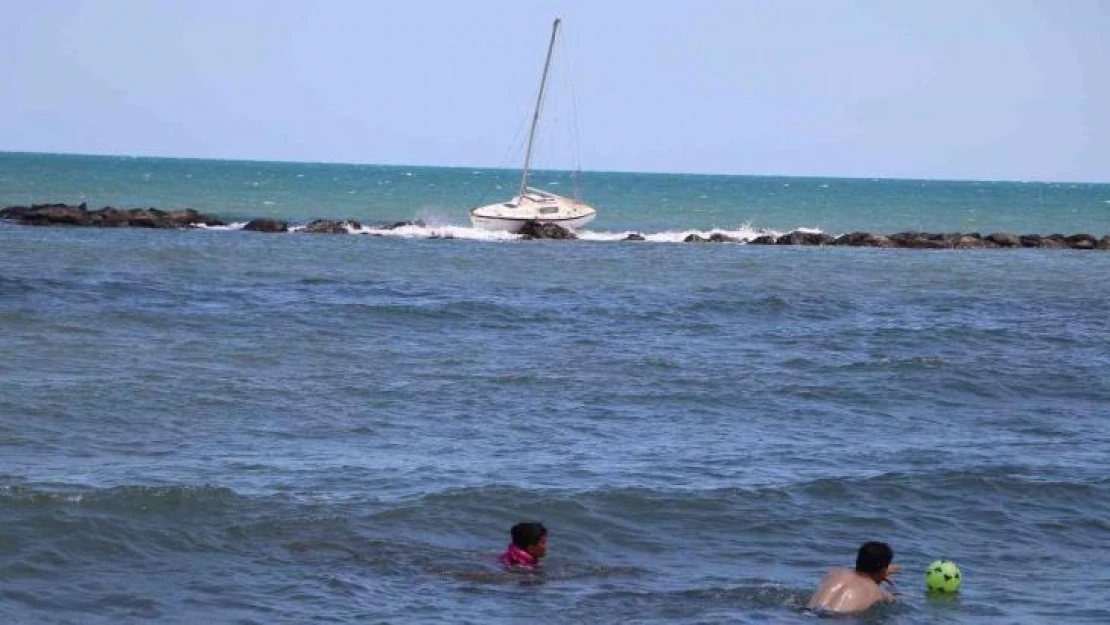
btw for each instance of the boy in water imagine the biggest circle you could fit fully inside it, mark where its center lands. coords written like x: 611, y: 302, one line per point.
x: 843, y: 590
x: 529, y: 545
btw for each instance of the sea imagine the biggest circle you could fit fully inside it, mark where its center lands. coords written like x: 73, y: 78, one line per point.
x: 223, y: 426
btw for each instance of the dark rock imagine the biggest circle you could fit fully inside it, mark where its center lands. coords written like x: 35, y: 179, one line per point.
x: 635, y: 236
x: 853, y: 239
x: 536, y: 230
x: 107, y: 217
x: 718, y: 237
x: 693, y: 238
x: 1052, y: 241
x: 326, y: 226
x: 920, y: 241
x: 149, y: 218
x: 189, y: 218
x: 804, y: 238
x: 266, y: 225
x: 56, y: 215
x: 401, y: 224
x: 798, y: 238
x: 863, y: 239
x: 14, y: 212
x: 1082, y: 242
x: 763, y: 239
x: 970, y: 241
x: 1004, y: 239
x: 82, y: 206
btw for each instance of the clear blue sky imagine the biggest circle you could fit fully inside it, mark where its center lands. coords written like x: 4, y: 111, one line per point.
x: 1007, y: 89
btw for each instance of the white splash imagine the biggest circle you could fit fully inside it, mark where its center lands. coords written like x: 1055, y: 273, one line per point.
x: 436, y: 232
x: 743, y: 234
x: 237, y: 225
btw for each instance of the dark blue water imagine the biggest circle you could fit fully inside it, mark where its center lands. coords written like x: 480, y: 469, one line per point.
x: 237, y: 427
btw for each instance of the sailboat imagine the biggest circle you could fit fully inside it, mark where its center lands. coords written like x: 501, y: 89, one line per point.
x: 530, y: 204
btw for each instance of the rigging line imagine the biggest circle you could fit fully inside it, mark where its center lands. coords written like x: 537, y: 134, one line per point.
x: 512, y: 153
x: 576, y: 149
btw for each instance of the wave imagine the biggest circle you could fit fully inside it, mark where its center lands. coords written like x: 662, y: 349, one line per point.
x: 741, y: 234
x: 147, y: 499
x: 732, y: 554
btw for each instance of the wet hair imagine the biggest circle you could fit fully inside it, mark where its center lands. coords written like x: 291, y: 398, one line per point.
x: 873, y: 557
x: 527, y: 534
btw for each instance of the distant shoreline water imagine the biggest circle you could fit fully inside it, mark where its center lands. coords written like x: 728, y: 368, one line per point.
x: 255, y: 161
x: 665, y: 206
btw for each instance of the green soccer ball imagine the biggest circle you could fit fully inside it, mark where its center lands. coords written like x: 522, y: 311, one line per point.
x: 943, y: 576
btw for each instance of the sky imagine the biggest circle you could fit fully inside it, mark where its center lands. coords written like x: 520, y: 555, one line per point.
x: 972, y: 89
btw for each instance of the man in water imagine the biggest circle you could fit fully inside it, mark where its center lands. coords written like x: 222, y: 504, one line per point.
x: 843, y: 590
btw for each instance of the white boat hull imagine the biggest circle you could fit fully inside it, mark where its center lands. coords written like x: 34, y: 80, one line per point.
x: 540, y: 206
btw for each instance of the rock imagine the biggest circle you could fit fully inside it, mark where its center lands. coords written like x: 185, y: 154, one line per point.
x: 190, y: 218
x: 56, y: 215
x: 419, y: 223
x: 719, y: 237
x: 14, y: 212
x: 326, y: 226
x: 693, y: 238
x: 1004, y: 239
x: 149, y: 218
x: 920, y: 241
x: 1104, y: 242
x: 107, y: 217
x: 266, y: 225
x: 635, y: 236
x: 804, y: 238
x: 863, y: 239
x: 536, y: 230
x: 1082, y: 242
x: 763, y: 239
x: 1052, y: 241
x: 969, y: 241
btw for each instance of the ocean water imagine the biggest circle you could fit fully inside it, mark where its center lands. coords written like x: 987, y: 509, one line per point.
x: 233, y: 427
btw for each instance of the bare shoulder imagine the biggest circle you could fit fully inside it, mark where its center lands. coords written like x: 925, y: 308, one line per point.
x: 839, y: 574
x: 844, y: 590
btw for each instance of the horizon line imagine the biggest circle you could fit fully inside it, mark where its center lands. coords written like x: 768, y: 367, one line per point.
x: 588, y: 171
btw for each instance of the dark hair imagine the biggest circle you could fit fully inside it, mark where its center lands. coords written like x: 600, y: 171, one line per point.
x: 873, y: 557
x: 527, y: 534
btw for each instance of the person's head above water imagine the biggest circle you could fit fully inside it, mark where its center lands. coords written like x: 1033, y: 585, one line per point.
x: 530, y: 537
x: 874, y: 559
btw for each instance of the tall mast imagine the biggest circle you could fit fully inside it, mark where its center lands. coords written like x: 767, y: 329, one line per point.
x: 539, y: 104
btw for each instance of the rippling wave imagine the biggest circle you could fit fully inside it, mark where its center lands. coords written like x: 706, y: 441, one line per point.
x: 207, y: 426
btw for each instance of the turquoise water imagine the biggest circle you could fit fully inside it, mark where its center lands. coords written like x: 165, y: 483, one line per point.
x: 240, y: 427
x: 650, y: 203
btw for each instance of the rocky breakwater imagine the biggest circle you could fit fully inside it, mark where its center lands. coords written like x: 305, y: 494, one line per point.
x: 107, y: 217
x: 914, y: 240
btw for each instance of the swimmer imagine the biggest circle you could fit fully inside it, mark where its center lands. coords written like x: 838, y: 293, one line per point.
x: 528, y: 546
x: 844, y: 590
